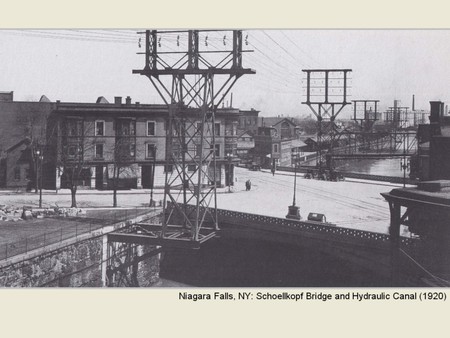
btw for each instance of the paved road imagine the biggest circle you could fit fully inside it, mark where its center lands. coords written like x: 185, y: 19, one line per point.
x: 349, y: 204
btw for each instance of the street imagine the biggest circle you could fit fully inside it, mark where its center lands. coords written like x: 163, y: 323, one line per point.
x: 350, y: 204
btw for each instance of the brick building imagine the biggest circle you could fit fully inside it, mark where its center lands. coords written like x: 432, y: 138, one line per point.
x: 98, y: 138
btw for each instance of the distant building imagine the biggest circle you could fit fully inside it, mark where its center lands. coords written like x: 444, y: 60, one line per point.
x: 21, y: 121
x: 277, y: 142
x: 248, y: 121
x: 245, y: 147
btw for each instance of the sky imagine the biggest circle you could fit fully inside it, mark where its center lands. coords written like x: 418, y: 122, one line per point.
x: 81, y: 65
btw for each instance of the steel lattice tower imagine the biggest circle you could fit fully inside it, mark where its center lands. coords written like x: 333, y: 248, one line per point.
x: 196, y: 85
x: 326, y: 96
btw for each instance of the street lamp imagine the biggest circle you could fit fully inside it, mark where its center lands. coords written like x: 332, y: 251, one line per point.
x: 37, y: 153
x: 39, y: 159
x: 293, y: 210
x: 404, y: 165
x: 229, y: 158
x: 152, y: 202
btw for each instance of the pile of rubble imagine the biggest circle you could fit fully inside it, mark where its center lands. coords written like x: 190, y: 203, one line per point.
x: 14, y: 214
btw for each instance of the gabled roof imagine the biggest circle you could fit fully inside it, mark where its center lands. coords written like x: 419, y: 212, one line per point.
x: 101, y: 99
x: 44, y: 99
x: 25, y: 141
x: 273, y: 121
x: 247, y: 132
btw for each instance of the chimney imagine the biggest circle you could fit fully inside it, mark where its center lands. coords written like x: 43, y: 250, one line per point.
x: 413, y: 109
x: 435, y: 111
x: 128, y: 100
x: 117, y: 100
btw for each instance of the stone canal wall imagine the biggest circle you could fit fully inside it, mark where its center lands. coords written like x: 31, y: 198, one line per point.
x: 76, y: 262
x: 75, y: 265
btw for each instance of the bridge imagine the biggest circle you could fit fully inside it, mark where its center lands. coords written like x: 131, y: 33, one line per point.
x: 389, y: 256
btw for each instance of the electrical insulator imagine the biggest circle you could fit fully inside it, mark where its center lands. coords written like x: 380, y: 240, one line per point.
x: 224, y: 40
x: 159, y: 42
x: 206, y: 41
x: 139, y: 43
x: 178, y: 41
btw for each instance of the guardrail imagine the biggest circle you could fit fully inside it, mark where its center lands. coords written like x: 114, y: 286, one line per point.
x: 328, y: 231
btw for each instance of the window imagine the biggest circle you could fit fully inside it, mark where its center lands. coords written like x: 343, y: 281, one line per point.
x: 125, y: 127
x: 73, y: 127
x: 151, y: 151
x: 99, y: 150
x: 199, y: 127
x: 99, y: 128
x: 17, y: 173
x: 168, y: 168
x: 191, y: 167
x: 72, y: 151
x: 217, y: 129
x: 132, y: 149
x: 275, y: 148
x: 217, y: 150
x: 150, y: 128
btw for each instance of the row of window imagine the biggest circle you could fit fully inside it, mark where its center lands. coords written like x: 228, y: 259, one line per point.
x: 150, y: 151
x: 124, y: 127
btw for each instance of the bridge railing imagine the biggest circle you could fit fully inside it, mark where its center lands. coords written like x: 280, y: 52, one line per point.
x: 307, y: 228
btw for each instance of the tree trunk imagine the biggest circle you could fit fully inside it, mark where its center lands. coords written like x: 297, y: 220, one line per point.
x: 73, y: 192
x: 115, y: 187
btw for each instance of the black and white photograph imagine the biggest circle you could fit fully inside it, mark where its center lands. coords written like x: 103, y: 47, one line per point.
x: 188, y: 158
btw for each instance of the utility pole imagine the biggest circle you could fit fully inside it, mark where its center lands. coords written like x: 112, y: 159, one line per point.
x: 326, y: 96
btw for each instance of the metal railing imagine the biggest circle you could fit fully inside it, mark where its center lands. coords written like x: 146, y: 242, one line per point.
x: 69, y: 227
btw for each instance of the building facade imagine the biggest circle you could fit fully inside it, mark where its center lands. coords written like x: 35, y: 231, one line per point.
x: 125, y: 144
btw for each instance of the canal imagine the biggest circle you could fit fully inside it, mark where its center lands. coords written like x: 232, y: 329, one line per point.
x: 385, y: 167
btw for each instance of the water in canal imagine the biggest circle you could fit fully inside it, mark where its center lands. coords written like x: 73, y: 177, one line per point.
x: 385, y: 167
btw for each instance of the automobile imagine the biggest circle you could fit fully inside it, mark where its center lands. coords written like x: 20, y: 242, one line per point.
x: 255, y: 167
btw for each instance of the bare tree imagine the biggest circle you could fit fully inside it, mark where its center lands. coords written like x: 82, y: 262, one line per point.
x: 123, y: 157
x: 74, y: 143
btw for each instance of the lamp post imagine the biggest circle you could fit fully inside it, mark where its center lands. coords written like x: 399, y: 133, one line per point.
x: 404, y: 164
x: 229, y: 158
x: 37, y: 153
x: 40, y: 159
x: 152, y: 202
x: 293, y: 210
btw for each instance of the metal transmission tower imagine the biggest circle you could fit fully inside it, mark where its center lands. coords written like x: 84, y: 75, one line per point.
x: 326, y: 95
x: 192, y: 83
x: 365, y: 113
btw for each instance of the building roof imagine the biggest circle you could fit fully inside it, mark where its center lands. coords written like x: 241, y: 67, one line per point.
x: 273, y: 121
x: 101, y: 99
x: 247, y: 132
x: 44, y: 99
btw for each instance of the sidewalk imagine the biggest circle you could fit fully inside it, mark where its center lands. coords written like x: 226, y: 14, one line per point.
x: 64, y: 192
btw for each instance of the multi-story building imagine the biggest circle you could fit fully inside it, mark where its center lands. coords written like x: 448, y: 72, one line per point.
x: 277, y: 142
x: 104, y: 140
x: 127, y: 141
